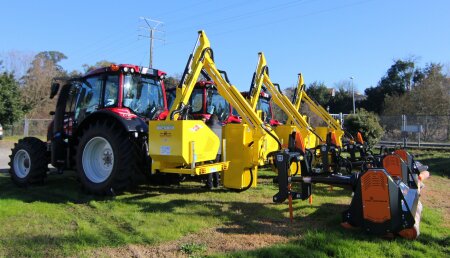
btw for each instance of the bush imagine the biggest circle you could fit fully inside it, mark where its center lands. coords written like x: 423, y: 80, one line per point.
x: 367, y: 123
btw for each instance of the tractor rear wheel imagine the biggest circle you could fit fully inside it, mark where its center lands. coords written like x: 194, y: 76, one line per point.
x: 106, y: 159
x: 28, y: 161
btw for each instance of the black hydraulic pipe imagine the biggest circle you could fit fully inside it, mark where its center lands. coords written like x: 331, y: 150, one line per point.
x: 335, y: 180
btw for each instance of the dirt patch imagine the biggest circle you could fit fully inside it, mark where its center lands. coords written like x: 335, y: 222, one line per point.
x: 214, y: 240
x: 6, y: 144
x: 435, y: 196
x: 5, y: 151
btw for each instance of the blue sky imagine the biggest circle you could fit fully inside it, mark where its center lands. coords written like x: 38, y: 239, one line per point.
x: 326, y: 40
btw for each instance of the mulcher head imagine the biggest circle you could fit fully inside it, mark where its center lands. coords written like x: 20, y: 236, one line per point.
x: 384, y: 205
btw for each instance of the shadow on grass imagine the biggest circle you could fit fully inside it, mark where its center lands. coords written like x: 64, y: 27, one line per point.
x: 438, y: 166
x: 242, y: 217
x: 56, y: 189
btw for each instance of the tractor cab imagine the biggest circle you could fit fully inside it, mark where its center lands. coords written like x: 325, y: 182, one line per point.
x: 206, y: 101
x: 265, y: 106
x: 127, y: 91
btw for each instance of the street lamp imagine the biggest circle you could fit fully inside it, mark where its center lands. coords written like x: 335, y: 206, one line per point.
x: 353, y: 94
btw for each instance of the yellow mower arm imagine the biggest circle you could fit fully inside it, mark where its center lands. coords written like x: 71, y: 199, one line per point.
x: 297, y: 122
x: 247, y: 143
x: 302, y: 96
x: 202, y: 60
x: 262, y: 78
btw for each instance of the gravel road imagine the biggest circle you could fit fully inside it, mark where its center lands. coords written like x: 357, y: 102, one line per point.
x: 5, y: 151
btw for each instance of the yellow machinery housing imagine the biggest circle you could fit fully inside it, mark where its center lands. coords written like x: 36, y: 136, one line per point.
x: 192, y: 146
x: 177, y: 146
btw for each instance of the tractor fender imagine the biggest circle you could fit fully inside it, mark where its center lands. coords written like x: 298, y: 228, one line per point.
x: 130, y: 125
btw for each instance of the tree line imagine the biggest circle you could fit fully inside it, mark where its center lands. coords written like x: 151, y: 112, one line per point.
x: 404, y: 89
x: 25, y: 83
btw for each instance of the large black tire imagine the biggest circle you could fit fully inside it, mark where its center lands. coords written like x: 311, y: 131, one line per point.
x: 28, y: 161
x: 106, y: 158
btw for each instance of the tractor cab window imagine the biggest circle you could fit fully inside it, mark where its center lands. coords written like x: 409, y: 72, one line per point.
x: 264, y: 106
x: 234, y: 112
x: 89, y: 97
x: 217, y: 105
x: 196, y: 101
x: 171, y: 95
x: 142, y: 95
x: 111, y: 91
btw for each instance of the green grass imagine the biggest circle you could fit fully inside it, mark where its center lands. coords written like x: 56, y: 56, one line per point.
x: 337, y: 242
x: 329, y: 239
x: 58, y: 219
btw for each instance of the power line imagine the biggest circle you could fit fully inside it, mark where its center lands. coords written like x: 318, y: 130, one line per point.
x: 152, y: 27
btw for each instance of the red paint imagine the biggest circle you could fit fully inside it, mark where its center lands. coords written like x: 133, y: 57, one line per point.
x: 163, y: 115
x: 123, y: 112
x: 233, y: 119
x: 274, y: 122
x: 121, y: 77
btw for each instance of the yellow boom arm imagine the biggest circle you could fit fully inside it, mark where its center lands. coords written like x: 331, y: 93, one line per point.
x: 247, y: 144
x: 262, y: 78
x: 202, y: 60
x: 296, y: 121
x: 302, y: 96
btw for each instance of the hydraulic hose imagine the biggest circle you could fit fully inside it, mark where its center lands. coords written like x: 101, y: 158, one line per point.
x: 297, y: 169
x: 251, y: 181
x: 273, y: 136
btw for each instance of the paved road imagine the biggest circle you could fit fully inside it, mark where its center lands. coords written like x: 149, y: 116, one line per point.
x: 5, y: 151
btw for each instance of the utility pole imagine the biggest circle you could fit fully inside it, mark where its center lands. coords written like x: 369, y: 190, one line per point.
x: 353, y: 93
x: 152, y: 27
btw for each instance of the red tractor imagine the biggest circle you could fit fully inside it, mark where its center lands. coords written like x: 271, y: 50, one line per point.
x: 99, y: 129
x: 206, y: 101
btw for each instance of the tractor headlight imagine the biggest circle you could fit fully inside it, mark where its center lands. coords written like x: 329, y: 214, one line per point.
x: 125, y: 69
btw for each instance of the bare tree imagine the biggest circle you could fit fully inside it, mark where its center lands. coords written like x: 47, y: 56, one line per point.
x: 17, y: 62
x: 36, y: 83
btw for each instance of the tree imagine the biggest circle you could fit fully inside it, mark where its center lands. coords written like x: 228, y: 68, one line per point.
x: 36, y: 83
x: 10, y: 99
x: 429, y: 97
x: 99, y: 64
x: 319, y: 92
x: 17, y: 62
x: 342, y: 102
x: 171, y: 82
x: 400, y: 77
x: 365, y: 122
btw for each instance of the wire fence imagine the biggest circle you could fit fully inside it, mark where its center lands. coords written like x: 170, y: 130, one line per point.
x: 418, y: 128
x: 28, y: 127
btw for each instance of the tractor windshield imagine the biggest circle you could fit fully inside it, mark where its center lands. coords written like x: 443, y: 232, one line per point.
x: 196, y: 101
x: 143, y: 95
x: 264, y: 106
x: 217, y: 105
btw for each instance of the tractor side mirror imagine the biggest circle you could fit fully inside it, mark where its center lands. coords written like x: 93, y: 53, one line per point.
x: 54, y: 90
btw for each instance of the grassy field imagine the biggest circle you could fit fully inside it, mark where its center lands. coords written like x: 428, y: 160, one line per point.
x: 57, y: 219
